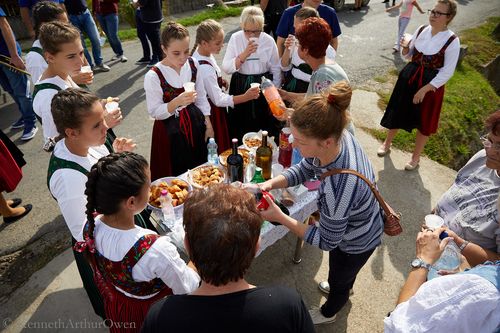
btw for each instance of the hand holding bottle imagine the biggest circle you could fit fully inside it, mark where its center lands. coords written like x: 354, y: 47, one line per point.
x: 429, y: 247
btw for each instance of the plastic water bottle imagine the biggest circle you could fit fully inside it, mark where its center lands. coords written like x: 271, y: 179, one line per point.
x: 167, y: 209
x: 296, y: 156
x: 449, y: 261
x: 250, y: 169
x: 213, y: 157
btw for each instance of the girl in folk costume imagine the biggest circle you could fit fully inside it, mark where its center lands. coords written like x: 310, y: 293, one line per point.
x: 209, y: 41
x: 79, y: 117
x: 299, y: 72
x: 418, y: 95
x: 182, y: 118
x: 133, y: 267
x: 251, y: 54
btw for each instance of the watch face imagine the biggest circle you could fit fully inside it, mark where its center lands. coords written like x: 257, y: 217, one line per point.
x: 416, y: 263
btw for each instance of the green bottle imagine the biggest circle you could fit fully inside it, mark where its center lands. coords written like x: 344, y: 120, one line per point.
x: 257, y: 177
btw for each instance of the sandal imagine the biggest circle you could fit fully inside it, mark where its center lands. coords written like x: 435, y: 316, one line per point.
x: 383, y: 150
x: 412, y: 165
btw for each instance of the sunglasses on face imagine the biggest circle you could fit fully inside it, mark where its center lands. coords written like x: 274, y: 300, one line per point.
x: 436, y: 13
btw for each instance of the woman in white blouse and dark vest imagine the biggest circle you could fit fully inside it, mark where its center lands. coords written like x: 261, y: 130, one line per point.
x: 418, y: 95
x: 251, y: 54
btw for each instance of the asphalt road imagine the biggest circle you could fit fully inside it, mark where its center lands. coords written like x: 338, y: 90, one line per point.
x: 364, y: 52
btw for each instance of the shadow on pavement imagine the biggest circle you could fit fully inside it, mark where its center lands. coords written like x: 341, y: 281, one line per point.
x: 349, y: 17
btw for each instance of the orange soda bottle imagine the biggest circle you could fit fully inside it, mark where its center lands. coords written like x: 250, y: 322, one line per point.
x: 273, y: 97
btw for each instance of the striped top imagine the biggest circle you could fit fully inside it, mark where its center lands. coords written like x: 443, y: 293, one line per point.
x: 350, y: 216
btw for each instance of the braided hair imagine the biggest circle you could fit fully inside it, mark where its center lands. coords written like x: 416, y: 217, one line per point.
x: 206, y: 31
x: 45, y: 11
x: 113, y: 179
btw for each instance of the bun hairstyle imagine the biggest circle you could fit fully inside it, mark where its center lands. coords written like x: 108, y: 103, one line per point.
x: 324, y: 115
x: 173, y: 30
x: 206, y: 31
x: 69, y: 107
x: 452, y: 8
x: 54, y: 34
x: 306, y: 12
x: 112, y: 180
x: 43, y: 12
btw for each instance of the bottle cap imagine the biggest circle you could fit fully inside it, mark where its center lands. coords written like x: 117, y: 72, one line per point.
x: 264, y: 133
x: 211, y: 140
x: 234, y: 140
x: 286, y: 130
x: 258, y: 169
x: 164, y: 192
x: 443, y: 235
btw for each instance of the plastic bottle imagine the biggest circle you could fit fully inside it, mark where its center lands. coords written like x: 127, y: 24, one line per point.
x: 167, y: 209
x: 258, y: 178
x: 213, y: 157
x: 296, y: 156
x: 450, y: 259
x: 250, y: 169
x: 273, y: 97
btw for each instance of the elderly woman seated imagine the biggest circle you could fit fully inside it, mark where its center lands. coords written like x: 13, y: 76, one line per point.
x: 465, y: 302
x: 469, y: 207
x: 222, y: 227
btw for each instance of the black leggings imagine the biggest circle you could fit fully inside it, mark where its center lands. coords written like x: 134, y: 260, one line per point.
x: 344, y: 268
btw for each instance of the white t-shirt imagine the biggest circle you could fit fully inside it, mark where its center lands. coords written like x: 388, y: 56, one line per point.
x: 265, y: 59
x: 209, y: 76
x: 297, y: 61
x: 469, y: 206
x: 68, y: 186
x: 35, y: 63
x: 157, y: 109
x: 43, y: 100
x: 429, y: 45
x: 161, y: 260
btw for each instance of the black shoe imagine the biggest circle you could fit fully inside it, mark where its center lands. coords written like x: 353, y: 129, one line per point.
x: 15, y: 202
x: 12, y: 219
x: 143, y: 61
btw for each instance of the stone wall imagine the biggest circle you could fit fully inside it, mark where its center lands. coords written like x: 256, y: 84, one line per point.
x: 180, y: 6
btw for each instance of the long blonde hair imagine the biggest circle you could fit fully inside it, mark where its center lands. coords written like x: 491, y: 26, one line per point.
x: 206, y: 31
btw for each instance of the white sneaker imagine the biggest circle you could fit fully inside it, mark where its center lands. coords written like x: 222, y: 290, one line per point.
x: 318, y: 318
x: 324, y: 286
x: 122, y: 58
x: 101, y: 68
x: 28, y: 135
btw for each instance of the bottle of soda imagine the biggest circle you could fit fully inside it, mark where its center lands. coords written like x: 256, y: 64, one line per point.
x: 264, y: 157
x: 235, y: 164
x: 285, y: 150
x: 212, y: 158
x: 273, y: 97
x: 257, y: 178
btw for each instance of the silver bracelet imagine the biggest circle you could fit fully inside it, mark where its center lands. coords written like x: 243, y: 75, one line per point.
x: 464, y: 244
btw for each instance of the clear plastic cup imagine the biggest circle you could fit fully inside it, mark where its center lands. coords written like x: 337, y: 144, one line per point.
x: 433, y: 221
x: 110, y: 106
x: 188, y: 86
x: 254, y: 85
x: 86, y: 69
x: 276, y: 169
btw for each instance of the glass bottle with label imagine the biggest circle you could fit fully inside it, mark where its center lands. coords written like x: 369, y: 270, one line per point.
x: 264, y: 157
x: 235, y: 164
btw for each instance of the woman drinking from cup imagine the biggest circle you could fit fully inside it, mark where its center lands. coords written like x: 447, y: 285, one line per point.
x: 417, y: 98
x: 350, y: 225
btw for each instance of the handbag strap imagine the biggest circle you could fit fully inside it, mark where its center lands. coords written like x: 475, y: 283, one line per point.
x: 379, y: 198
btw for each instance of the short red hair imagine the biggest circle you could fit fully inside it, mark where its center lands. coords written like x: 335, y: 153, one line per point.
x: 314, y: 34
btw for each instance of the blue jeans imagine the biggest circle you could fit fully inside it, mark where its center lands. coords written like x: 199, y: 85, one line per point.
x: 17, y: 85
x: 402, y: 24
x: 109, y: 23
x: 85, y: 23
x: 141, y: 34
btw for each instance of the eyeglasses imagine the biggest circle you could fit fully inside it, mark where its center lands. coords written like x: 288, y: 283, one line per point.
x: 488, y: 144
x: 436, y: 13
x: 255, y: 32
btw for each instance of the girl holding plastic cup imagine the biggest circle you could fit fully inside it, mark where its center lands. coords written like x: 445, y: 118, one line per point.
x: 177, y: 101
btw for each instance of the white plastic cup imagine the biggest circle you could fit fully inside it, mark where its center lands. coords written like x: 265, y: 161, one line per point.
x: 86, y: 69
x: 276, y: 169
x: 406, y: 40
x: 433, y: 221
x: 290, y: 48
x: 188, y: 86
x: 254, y: 85
x: 255, y: 40
x: 111, y: 106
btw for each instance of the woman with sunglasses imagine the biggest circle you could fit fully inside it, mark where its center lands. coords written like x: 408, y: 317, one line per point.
x: 417, y: 98
x: 470, y: 206
x: 251, y: 54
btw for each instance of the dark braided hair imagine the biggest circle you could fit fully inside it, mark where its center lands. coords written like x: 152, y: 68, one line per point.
x: 113, y: 179
x: 43, y: 12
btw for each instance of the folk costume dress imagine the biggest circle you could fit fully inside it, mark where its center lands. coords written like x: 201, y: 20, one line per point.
x: 178, y: 142
x: 433, y: 60
x: 254, y: 115
x: 298, y: 73
x: 66, y: 179
x: 133, y: 269
x: 218, y: 99
x: 11, y: 162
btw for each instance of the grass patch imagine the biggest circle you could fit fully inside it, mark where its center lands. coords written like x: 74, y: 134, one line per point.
x: 216, y: 13
x: 469, y: 100
x: 380, y: 79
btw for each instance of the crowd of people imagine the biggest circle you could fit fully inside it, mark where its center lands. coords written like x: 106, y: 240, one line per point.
x: 102, y: 187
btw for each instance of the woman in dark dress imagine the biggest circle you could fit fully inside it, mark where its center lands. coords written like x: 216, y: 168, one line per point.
x: 417, y: 98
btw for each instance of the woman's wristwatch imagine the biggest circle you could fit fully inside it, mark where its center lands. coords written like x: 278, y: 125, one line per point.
x: 417, y: 263
x: 464, y: 244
